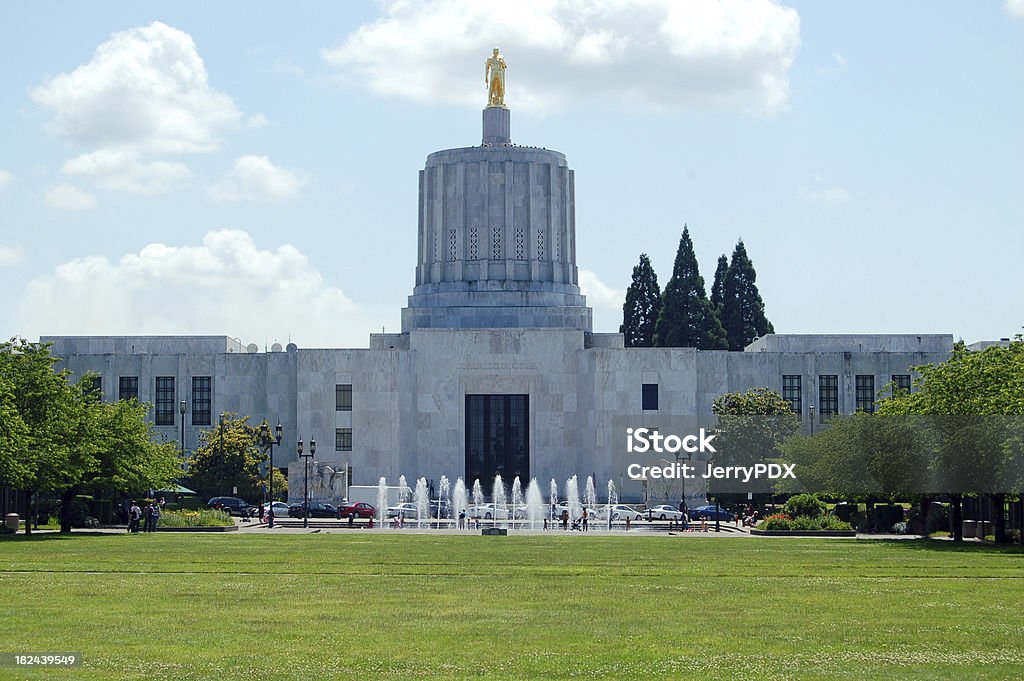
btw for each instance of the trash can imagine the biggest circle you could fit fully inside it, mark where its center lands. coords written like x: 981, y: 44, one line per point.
x: 11, y: 520
x: 970, y: 528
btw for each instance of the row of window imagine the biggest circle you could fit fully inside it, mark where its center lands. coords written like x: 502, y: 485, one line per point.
x: 202, y: 402
x: 792, y: 392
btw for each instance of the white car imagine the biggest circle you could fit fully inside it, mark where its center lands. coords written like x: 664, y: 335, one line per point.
x: 407, y: 510
x: 487, y: 512
x: 664, y: 512
x: 280, y: 509
x: 620, y: 513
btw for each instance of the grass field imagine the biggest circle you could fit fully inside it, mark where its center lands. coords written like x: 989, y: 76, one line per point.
x: 356, y: 606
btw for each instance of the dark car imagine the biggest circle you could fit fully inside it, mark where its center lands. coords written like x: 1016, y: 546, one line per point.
x: 233, y: 506
x: 316, y: 510
x: 360, y: 508
x: 711, y: 513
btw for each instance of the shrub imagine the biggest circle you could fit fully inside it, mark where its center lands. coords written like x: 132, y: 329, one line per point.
x: 830, y: 522
x: 804, y: 505
x: 205, y: 518
x: 776, y: 522
x: 805, y: 523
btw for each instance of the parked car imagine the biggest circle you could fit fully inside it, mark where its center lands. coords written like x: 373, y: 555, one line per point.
x: 621, y: 512
x: 360, y: 508
x: 233, y: 506
x: 487, y: 512
x: 664, y: 512
x: 316, y: 510
x: 280, y: 509
x: 711, y: 513
x: 406, y: 510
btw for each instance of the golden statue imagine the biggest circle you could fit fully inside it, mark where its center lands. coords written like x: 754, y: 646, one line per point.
x: 494, y: 76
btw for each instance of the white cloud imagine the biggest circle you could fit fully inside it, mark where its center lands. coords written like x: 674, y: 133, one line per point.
x: 840, y: 60
x: 10, y: 256
x: 145, y: 89
x: 663, y: 54
x: 5, y: 177
x: 70, y: 197
x: 599, y: 295
x: 255, y: 177
x: 257, y: 120
x: 226, y: 285
x: 123, y: 171
x: 1015, y: 8
x: 825, y: 194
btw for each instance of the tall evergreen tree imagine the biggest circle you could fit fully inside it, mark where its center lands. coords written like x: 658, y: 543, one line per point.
x: 718, y: 288
x: 742, y: 308
x: 688, y: 319
x: 642, y: 307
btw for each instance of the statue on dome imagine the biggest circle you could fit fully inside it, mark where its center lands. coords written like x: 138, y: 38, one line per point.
x: 494, y: 76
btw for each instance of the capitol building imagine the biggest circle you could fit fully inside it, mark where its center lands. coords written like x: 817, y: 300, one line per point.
x: 497, y: 368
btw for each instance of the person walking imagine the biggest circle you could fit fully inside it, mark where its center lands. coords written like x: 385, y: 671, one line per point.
x: 586, y: 518
x: 134, y: 515
x: 154, y: 517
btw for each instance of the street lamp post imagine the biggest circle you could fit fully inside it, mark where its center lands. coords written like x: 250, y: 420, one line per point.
x: 223, y: 462
x: 305, y: 480
x: 810, y: 410
x: 181, y: 410
x: 683, y: 506
x: 268, y: 443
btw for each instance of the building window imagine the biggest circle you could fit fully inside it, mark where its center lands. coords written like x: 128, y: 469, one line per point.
x: 343, y: 439
x: 128, y: 388
x: 343, y: 397
x: 828, y: 397
x: 792, y: 393
x: 866, y: 393
x: 649, y: 397
x: 165, y: 400
x: 95, y: 387
x: 201, y: 401
x: 497, y: 436
x: 900, y: 384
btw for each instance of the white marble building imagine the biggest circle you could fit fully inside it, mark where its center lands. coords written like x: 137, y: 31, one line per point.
x: 497, y: 367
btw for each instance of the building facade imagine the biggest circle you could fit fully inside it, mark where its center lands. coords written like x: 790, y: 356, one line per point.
x: 497, y: 368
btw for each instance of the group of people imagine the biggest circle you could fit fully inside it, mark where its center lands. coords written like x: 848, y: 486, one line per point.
x: 147, y: 517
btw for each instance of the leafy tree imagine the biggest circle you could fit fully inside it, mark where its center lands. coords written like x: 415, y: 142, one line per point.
x: 753, y: 424
x: 718, y: 287
x: 642, y: 307
x: 229, y: 456
x: 687, y: 318
x: 14, y: 438
x: 742, y: 308
x: 967, y: 400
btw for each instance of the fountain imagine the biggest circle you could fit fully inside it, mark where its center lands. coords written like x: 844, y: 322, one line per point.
x: 534, y: 504
x: 403, y: 490
x: 590, y: 495
x: 444, y: 491
x: 382, y: 502
x: 478, y: 497
x: 517, y: 499
x: 421, y: 497
x: 459, y: 500
x: 613, y: 499
x: 554, y: 499
x: 572, y: 498
x: 499, y: 497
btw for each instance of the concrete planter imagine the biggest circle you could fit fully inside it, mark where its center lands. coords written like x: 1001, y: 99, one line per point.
x: 804, y: 533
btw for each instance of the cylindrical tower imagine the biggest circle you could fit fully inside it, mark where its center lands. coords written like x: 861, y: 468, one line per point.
x: 497, y: 238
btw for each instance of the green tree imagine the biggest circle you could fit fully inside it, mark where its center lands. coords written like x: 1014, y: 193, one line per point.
x: 229, y: 457
x: 14, y: 439
x: 742, y: 308
x: 752, y: 425
x: 642, y: 307
x: 718, y: 287
x: 687, y: 318
x: 973, y: 403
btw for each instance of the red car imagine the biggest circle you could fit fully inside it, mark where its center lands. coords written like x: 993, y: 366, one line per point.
x: 360, y: 508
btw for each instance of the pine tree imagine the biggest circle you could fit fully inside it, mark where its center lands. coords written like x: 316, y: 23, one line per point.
x: 687, y: 318
x: 742, y: 308
x: 642, y: 306
x: 718, y: 288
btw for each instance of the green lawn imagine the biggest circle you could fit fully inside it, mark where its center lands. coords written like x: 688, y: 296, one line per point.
x: 363, y: 606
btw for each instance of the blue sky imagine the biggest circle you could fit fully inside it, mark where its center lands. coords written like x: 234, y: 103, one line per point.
x: 185, y: 168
